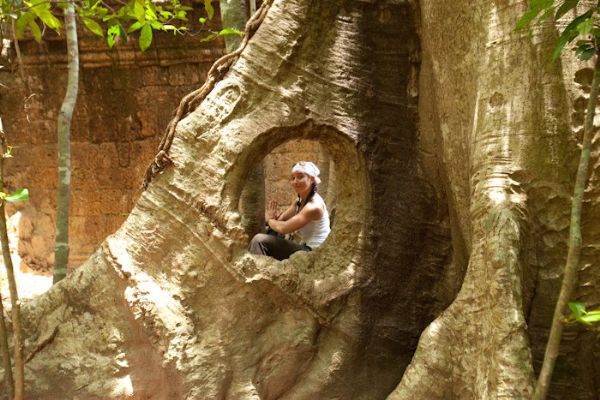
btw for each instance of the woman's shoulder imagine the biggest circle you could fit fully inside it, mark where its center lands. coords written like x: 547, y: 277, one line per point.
x: 315, y: 207
x: 317, y: 200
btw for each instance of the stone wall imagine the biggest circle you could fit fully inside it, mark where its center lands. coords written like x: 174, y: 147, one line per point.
x: 270, y: 180
x: 126, y: 99
x: 277, y: 168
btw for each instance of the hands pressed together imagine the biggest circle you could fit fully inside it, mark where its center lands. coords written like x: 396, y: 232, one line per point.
x: 272, y: 211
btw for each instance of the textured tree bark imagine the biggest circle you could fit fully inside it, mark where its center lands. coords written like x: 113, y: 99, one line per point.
x: 174, y: 296
x: 569, y: 280
x: 252, y: 202
x: 252, y: 198
x: 502, y: 116
x: 452, y: 207
x: 61, y: 253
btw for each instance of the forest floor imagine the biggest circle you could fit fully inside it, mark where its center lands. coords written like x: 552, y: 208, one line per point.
x: 29, y: 283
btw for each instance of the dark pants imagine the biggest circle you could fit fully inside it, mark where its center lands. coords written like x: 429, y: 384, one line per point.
x: 274, y: 246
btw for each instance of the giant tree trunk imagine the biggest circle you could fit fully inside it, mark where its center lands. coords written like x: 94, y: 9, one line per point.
x: 499, y: 117
x: 465, y: 218
x: 173, y: 296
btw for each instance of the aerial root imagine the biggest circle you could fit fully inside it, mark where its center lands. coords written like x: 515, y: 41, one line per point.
x: 192, y: 100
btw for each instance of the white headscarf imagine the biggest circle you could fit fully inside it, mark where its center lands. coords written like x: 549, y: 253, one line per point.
x: 308, y: 168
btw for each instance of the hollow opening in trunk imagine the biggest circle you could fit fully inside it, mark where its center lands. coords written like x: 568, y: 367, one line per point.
x: 267, y: 176
x: 270, y: 180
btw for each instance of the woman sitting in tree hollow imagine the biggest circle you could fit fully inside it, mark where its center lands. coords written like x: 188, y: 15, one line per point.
x: 307, y: 216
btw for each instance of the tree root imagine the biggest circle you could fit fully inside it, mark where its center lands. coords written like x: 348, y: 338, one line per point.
x: 193, y: 99
x: 45, y: 342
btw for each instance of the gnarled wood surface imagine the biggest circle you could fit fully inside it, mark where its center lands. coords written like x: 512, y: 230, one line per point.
x: 499, y: 117
x: 452, y: 211
x: 172, y: 306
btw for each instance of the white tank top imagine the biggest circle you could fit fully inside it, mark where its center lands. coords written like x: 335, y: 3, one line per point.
x: 315, y: 232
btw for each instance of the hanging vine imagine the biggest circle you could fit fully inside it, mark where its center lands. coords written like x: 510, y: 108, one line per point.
x: 193, y: 99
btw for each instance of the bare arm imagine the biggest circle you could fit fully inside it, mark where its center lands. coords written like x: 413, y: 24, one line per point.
x: 272, y: 212
x: 288, y: 213
x: 309, y: 213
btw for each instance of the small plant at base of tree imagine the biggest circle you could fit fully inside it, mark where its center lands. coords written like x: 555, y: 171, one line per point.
x: 18, y: 387
x: 580, y: 315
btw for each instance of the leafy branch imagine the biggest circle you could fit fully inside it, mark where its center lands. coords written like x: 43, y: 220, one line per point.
x: 115, y: 23
x: 584, y: 26
x: 581, y: 315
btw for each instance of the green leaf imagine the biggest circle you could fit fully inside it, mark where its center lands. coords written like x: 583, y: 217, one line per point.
x: 37, y: 3
x: 23, y: 20
x: 138, y: 10
x: 20, y: 195
x: 565, y: 7
x: 42, y: 10
x: 584, y: 49
x: 587, y: 54
x: 125, y: 12
x: 547, y: 12
x: 535, y: 8
x: 150, y: 14
x: 592, y: 316
x: 169, y: 27
x: 579, y: 314
x: 570, y: 33
x: 35, y: 31
x: 230, y: 31
x: 202, y: 20
x: 50, y: 20
x: 578, y: 309
x: 97, y: 12
x: 145, y: 37
x: 181, y: 15
x: 541, y: 3
x: 210, y: 11
x: 209, y: 37
x: 113, y: 32
x: 157, y: 25
x: 585, y: 27
x: 96, y: 5
x: 165, y: 14
x: 135, y: 26
x: 526, y: 19
x: 93, y: 26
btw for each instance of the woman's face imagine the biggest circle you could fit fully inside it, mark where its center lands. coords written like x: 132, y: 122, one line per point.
x: 301, y: 182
